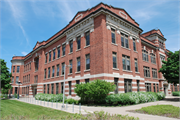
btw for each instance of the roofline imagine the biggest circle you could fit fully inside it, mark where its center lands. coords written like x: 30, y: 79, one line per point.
x: 101, y: 8
x: 143, y: 41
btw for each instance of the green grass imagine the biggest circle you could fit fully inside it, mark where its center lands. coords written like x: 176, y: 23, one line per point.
x: 161, y: 110
x: 13, y: 107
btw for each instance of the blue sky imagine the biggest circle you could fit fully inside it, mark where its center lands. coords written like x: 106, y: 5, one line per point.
x: 24, y: 22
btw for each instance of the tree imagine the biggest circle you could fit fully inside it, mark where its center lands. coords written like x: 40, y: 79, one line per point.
x: 5, y: 76
x: 170, y: 68
x: 95, y: 91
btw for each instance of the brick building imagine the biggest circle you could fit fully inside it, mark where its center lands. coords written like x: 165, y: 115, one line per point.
x: 103, y: 42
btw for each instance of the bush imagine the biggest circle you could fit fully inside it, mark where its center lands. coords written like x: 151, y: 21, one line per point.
x: 71, y: 101
x: 160, y: 95
x: 176, y: 93
x: 50, y: 97
x: 134, y: 98
x: 95, y: 91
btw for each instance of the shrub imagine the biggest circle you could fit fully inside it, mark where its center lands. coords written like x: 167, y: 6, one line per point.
x: 176, y: 93
x: 50, y: 97
x: 70, y: 101
x: 95, y: 91
x: 160, y: 95
x: 133, y: 98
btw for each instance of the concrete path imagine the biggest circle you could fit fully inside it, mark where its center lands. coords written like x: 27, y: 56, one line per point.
x: 170, y: 100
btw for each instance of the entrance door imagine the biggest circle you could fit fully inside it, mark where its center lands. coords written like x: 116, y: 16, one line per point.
x: 165, y: 91
x: 34, y: 91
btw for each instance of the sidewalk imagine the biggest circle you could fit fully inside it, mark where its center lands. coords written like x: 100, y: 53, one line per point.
x: 170, y: 100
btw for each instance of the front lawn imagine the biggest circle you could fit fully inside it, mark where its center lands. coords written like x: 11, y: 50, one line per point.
x: 12, y: 108
x: 161, y: 110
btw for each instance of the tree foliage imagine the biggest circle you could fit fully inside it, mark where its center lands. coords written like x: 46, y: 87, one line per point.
x: 95, y: 91
x: 5, y: 75
x: 170, y: 68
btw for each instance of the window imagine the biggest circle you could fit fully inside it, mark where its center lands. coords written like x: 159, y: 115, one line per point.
x: 145, y: 55
x: 62, y: 88
x: 153, y: 58
x: 116, y: 83
x: 154, y: 86
x: 57, y: 88
x: 146, y: 71
x: 58, y: 51
x: 50, y: 56
x: 30, y: 66
x: 12, y: 79
x: 86, y: 80
x: 69, y: 87
x: 127, y: 85
x: 57, y: 71
x: 124, y: 41
x: 87, y: 35
x: 64, y: 49
x: 44, y: 73
x: 13, y: 69
x: 36, y: 79
x: 18, y: 68
x: 77, y: 81
x: 47, y: 88
x: 36, y: 63
x: 78, y: 64
x: 45, y: 58
x: 52, y: 71
x: 134, y: 44
x: 154, y: 73
x: 49, y: 71
x: 17, y: 79
x: 52, y: 88
x: 87, y: 61
x: 148, y: 87
x: 136, y: 65
x: 175, y: 87
x: 44, y: 91
x: 113, y: 36
x: 16, y: 90
x: 157, y: 85
x: 138, y: 85
x: 79, y: 42
x: 114, y: 60
x: 70, y: 68
x: 161, y: 45
x: 126, y: 62
x: 71, y: 46
x: 63, y: 67
x: 54, y: 54
x: 162, y: 58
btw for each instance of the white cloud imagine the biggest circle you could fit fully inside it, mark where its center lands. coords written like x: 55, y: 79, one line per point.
x: 24, y: 53
x: 18, y: 14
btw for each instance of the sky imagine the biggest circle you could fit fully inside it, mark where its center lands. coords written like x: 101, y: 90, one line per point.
x: 24, y: 22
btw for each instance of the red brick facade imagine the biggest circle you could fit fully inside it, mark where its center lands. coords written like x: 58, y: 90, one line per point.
x: 112, y: 32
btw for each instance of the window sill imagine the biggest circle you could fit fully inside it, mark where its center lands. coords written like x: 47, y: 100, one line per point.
x: 78, y: 72
x: 146, y: 61
x: 36, y: 71
x: 62, y: 75
x: 57, y: 58
x: 125, y: 48
x: 78, y: 50
x: 155, y: 78
x: 114, y: 44
x: 52, y: 77
x: 154, y: 63
x: 87, y: 46
x: 127, y: 71
x: 137, y: 72
x: 147, y: 77
x: 44, y: 78
x: 115, y: 69
x: 48, y: 78
x: 70, y: 74
x: 70, y: 53
x: 136, y: 51
x: 63, y: 56
x: 57, y: 76
x: 86, y: 70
